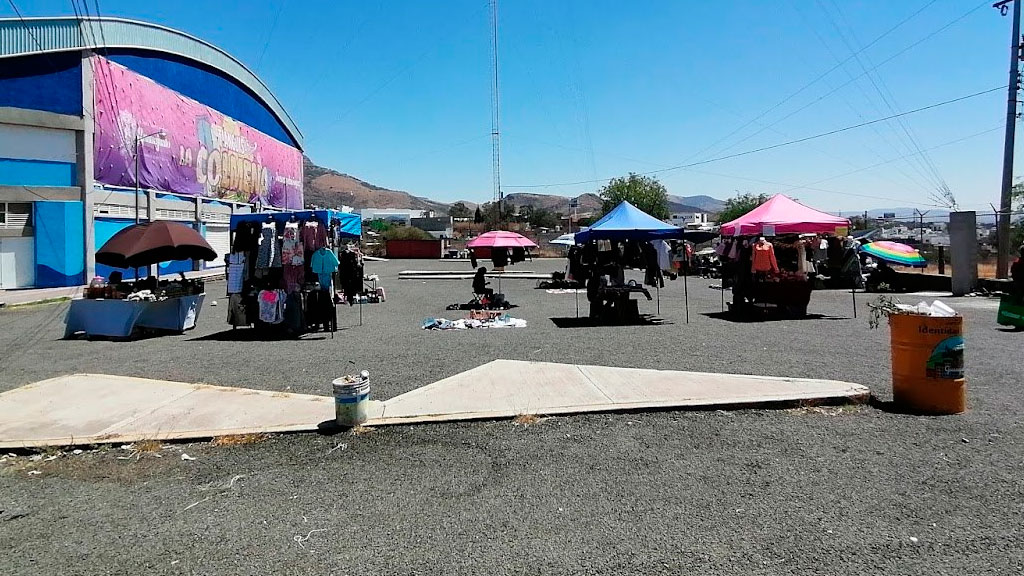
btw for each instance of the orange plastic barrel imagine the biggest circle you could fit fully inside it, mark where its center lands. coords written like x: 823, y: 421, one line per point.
x: 928, y: 363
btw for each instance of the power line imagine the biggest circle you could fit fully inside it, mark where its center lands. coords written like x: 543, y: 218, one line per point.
x: 882, y: 89
x: 843, y: 85
x: 811, y: 83
x: 270, y: 34
x: 779, y: 145
x: 915, y: 181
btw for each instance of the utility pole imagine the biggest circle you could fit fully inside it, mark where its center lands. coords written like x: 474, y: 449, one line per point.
x: 1005, y: 205
x: 920, y: 228
x: 495, y: 117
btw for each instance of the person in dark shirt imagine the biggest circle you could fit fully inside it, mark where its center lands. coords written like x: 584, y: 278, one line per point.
x: 1017, y: 274
x: 480, y: 283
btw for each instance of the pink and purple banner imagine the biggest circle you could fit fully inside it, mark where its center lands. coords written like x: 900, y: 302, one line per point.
x: 184, y: 146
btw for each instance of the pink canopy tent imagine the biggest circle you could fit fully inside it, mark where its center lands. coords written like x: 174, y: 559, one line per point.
x: 500, y: 239
x: 787, y: 216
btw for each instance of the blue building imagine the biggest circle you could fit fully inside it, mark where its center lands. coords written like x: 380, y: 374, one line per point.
x: 61, y: 193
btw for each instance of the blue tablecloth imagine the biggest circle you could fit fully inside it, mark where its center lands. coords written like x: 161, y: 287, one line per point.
x: 119, y: 318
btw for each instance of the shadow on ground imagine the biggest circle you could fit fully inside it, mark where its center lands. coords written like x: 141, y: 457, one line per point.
x: 254, y: 335
x: 587, y: 322
x: 758, y: 318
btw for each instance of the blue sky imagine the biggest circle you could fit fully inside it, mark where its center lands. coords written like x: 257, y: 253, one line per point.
x: 398, y: 92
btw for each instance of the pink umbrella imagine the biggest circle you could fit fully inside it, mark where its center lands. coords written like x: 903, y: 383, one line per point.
x: 500, y: 239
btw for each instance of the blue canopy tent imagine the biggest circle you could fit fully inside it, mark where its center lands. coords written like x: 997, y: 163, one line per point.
x: 351, y: 224
x: 627, y: 222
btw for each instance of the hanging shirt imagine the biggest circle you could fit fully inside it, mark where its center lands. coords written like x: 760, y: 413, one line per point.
x: 271, y: 304
x: 802, y: 264
x: 664, y: 254
x: 269, y: 254
x: 763, y: 258
x: 291, y: 246
x: 314, y: 236
x: 324, y: 263
x: 236, y: 272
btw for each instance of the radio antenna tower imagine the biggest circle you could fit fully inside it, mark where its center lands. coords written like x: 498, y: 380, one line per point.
x: 495, y: 106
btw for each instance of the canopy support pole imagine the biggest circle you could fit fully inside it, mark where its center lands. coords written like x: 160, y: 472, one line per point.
x: 657, y: 288
x: 576, y: 292
x: 686, y: 295
x: 853, y: 291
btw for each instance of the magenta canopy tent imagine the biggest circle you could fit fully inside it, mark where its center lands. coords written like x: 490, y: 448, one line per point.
x: 500, y: 239
x: 783, y: 215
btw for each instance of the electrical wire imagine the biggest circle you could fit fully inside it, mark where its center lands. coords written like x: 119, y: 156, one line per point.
x: 270, y: 33
x: 818, y: 78
x: 843, y: 85
x: 778, y: 145
x: 886, y: 95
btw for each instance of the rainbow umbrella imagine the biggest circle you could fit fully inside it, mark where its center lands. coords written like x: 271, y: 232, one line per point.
x: 896, y: 253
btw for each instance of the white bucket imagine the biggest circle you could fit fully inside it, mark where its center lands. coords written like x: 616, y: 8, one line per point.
x: 351, y: 399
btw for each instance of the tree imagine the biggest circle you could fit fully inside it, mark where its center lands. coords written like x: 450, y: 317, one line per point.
x: 644, y: 192
x: 478, y: 217
x: 543, y: 218
x: 406, y: 233
x: 459, y: 210
x: 740, y: 205
x: 490, y: 213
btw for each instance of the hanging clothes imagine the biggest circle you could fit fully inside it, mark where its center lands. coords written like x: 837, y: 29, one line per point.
x: 664, y: 253
x: 294, y: 319
x: 803, y: 265
x: 314, y: 236
x: 269, y: 254
x: 652, y: 274
x: 247, y: 237
x: 499, y: 257
x: 236, y: 311
x: 271, y: 303
x: 518, y: 255
x: 763, y: 258
x: 324, y: 263
x: 237, y: 272
x: 350, y: 273
x: 291, y: 246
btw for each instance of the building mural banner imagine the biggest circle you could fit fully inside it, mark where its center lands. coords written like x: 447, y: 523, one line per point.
x: 184, y: 146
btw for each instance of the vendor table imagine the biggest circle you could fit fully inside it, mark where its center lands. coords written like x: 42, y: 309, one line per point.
x: 789, y: 295
x: 119, y: 318
x: 613, y: 303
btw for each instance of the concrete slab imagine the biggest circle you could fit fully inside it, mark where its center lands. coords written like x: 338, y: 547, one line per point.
x: 91, y: 408
x: 507, y: 388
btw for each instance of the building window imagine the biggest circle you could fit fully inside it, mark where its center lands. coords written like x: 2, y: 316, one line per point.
x: 15, y: 214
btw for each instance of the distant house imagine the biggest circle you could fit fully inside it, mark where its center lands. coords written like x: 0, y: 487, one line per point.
x: 691, y: 220
x: 393, y: 215
x: 437, y: 226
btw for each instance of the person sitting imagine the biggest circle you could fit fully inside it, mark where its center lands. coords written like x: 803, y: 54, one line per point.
x: 116, y: 277
x: 480, y: 284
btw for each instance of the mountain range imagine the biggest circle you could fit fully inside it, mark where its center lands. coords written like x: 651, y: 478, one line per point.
x: 330, y: 188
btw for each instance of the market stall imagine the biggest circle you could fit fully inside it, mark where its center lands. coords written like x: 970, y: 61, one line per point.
x: 115, y: 308
x: 287, y: 271
x: 778, y: 272
x: 886, y: 254
x: 625, y: 238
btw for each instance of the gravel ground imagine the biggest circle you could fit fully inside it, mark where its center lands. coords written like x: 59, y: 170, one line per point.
x: 857, y: 490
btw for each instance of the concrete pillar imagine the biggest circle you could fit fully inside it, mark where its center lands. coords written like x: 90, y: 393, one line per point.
x: 84, y: 165
x: 153, y: 269
x: 963, y: 251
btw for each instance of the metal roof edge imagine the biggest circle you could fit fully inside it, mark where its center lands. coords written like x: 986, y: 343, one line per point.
x: 34, y: 35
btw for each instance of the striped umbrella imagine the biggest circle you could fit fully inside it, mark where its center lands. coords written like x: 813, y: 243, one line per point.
x: 895, y: 253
